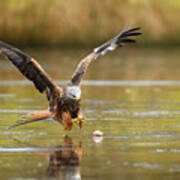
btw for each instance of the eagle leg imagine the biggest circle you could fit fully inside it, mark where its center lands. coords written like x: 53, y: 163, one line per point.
x: 76, y: 120
x: 80, y: 118
x: 67, y: 121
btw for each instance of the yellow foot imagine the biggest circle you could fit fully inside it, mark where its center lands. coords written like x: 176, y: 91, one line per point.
x: 82, y: 118
x: 77, y: 120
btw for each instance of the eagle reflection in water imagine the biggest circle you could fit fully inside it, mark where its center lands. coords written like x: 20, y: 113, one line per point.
x: 64, y: 162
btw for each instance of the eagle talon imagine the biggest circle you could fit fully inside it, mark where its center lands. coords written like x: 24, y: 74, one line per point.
x: 83, y: 118
x: 79, y: 119
x: 76, y: 120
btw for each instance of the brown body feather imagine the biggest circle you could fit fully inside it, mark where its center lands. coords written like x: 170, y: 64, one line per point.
x: 67, y: 110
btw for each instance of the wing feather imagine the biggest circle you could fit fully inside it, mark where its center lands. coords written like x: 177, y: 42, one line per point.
x: 27, y: 66
x: 117, y: 41
x: 32, y: 71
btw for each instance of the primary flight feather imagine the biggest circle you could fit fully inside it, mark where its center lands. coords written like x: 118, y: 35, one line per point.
x: 64, y: 103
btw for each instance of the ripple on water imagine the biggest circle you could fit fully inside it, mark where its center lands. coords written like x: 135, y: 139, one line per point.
x: 98, y: 83
x: 7, y: 95
x: 148, y: 165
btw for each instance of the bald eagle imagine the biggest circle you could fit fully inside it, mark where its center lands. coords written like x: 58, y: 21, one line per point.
x: 64, y: 103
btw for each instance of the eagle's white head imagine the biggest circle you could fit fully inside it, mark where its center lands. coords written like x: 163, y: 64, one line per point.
x: 73, y: 93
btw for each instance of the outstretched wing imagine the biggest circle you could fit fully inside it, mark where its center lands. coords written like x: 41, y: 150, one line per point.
x: 117, y: 41
x: 27, y: 66
x: 30, y: 69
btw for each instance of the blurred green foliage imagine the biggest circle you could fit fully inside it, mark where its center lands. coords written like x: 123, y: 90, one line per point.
x: 85, y: 23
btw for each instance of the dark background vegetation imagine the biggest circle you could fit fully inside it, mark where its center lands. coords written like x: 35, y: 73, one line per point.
x: 87, y: 22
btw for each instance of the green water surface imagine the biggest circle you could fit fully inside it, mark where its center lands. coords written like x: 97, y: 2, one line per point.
x: 131, y: 95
